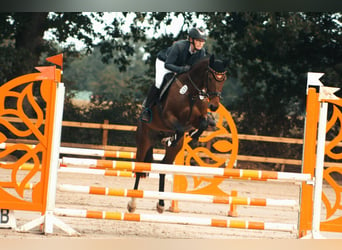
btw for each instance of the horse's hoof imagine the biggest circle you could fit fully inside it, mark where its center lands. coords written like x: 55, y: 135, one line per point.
x: 160, y: 208
x: 131, y: 207
x: 166, y: 141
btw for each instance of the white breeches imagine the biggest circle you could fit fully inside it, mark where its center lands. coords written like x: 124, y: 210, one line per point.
x: 160, y: 72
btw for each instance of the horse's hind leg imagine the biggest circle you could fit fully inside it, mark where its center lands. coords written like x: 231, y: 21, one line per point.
x: 144, y: 154
x: 132, y: 204
x: 169, y: 157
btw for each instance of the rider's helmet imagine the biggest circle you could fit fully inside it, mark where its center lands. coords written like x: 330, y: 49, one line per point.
x: 196, y: 33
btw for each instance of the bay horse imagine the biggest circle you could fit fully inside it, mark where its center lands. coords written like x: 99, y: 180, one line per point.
x: 182, y: 109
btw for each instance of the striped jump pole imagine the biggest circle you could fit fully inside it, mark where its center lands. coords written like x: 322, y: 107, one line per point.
x: 103, y: 153
x: 184, y: 170
x: 89, y: 152
x: 24, y: 166
x: 97, y: 152
x: 118, y: 173
x: 5, y: 145
x: 83, y: 151
x: 176, y: 196
x: 174, y: 219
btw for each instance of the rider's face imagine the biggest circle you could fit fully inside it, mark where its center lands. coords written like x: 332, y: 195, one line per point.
x: 198, y: 43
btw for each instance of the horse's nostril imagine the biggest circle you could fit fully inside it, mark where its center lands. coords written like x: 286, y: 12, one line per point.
x: 213, y: 107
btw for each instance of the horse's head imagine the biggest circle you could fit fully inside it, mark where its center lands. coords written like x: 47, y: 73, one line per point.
x: 216, y: 78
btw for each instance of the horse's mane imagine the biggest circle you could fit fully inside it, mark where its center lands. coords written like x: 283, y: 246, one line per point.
x: 200, y: 61
x: 215, y: 64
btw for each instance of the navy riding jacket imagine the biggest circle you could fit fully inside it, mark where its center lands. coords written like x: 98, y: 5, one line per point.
x: 178, y: 56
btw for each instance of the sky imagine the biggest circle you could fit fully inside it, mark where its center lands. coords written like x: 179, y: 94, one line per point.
x: 108, y: 17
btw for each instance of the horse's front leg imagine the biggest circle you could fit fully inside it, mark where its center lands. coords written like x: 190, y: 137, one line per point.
x: 203, y: 125
x: 144, y: 154
x: 173, y: 140
x: 161, y: 204
x: 131, y: 206
x: 169, y: 157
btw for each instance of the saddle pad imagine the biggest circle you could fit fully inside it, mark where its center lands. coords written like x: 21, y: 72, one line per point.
x: 168, y: 80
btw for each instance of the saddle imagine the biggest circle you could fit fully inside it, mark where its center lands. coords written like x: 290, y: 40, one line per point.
x: 167, y: 81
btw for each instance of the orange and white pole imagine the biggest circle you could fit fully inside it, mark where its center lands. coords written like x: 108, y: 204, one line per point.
x: 177, y: 196
x: 174, y: 219
x: 184, y: 170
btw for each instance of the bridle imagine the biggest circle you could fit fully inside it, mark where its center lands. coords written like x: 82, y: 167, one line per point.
x: 202, y: 93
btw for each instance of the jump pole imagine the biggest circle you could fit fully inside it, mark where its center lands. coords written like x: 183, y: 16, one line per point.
x: 90, y: 152
x: 103, y: 153
x: 119, y: 173
x: 174, y: 219
x: 177, y: 169
x: 177, y: 196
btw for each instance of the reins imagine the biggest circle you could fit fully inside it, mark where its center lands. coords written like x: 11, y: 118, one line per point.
x: 219, y: 76
x: 201, y: 94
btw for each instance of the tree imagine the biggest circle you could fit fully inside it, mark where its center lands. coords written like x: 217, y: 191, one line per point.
x: 270, y: 55
x: 104, y: 79
x: 22, y: 38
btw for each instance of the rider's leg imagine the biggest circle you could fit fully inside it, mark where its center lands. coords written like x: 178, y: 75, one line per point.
x: 146, y: 115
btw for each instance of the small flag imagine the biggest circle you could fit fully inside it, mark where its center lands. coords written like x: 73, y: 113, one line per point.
x: 327, y: 93
x: 313, y: 79
x: 47, y: 72
x: 57, y: 59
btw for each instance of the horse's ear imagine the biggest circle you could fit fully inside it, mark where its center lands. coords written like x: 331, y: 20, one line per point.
x: 225, y: 63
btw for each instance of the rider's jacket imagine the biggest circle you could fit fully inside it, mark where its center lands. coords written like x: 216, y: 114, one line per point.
x: 178, y: 56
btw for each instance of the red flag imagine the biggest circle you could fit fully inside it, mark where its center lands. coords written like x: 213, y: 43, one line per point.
x: 57, y: 59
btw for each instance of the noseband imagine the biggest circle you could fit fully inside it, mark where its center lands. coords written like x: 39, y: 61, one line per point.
x: 219, y: 77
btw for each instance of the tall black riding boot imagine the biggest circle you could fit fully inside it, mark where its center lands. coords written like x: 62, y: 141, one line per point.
x: 146, y: 115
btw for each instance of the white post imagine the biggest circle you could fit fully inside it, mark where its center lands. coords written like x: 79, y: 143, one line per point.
x: 48, y: 219
x: 56, y: 139
x: 317, y: 200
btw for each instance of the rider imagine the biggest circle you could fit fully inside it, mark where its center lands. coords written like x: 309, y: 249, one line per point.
x: 177, y: 59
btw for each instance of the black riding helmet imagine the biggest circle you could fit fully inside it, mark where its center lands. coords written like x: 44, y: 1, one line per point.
x: 196, y: 33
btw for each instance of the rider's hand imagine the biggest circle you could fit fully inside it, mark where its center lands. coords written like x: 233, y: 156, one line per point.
x: 185, y: 68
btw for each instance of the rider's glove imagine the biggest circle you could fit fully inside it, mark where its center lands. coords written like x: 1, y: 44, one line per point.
x: 185, y: 68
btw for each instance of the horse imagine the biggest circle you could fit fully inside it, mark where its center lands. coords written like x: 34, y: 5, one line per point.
x: 182, y: 109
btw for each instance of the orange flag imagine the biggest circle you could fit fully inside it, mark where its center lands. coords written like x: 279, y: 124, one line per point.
x: 57, y: 59
x: 48, y: 72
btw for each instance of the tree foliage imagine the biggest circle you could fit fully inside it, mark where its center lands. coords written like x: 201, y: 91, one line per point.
x: 22, y: 40
x: 269, y: 53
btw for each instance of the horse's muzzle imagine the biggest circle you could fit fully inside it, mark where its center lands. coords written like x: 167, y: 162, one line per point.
x: 213, y: 107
